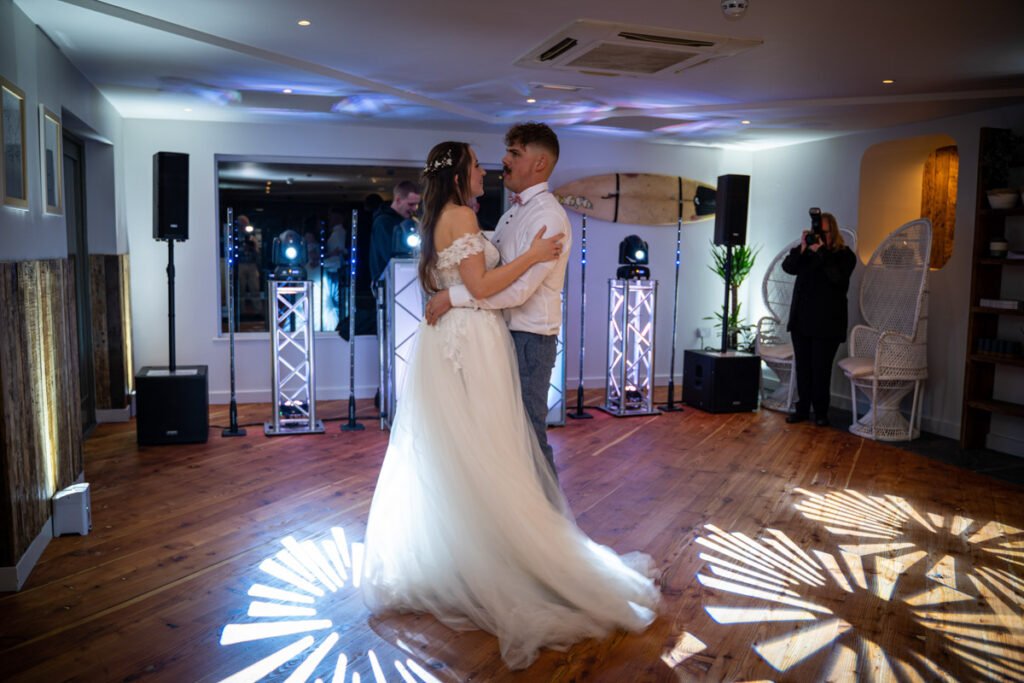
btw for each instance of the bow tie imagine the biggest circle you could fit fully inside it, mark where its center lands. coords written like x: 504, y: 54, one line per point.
x: 516, y: 200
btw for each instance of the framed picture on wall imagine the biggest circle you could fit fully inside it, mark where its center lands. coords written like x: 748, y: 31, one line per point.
x: 50, y: 157
x: 12, y: 135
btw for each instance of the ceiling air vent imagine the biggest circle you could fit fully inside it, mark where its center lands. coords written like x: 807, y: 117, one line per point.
x: 597, y: 47
x: 557, y: 50
x: 665, y: 40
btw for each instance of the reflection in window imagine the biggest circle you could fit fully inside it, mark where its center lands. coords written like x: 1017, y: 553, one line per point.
x: 317, y: 201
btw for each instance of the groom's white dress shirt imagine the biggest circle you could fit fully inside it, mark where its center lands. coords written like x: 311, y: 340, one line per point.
x: 533, y: 303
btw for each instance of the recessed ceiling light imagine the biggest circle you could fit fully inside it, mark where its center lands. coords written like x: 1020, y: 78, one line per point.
x: 531, y: 100
x: 888, y: 81
x: 745, y: 122
x: 188, y: 108
x: 305, y: 22
x: 287, y: 91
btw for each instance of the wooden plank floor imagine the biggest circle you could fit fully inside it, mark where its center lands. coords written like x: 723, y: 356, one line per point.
x: 789, y: 553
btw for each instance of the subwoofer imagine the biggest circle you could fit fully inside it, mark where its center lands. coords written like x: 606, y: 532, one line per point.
x: 721, y: 382
x: 731, y: 202
x: 170, y: 196
x: 171, y: 407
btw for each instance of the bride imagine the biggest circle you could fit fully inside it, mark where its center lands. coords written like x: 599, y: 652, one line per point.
x: 467, y: 521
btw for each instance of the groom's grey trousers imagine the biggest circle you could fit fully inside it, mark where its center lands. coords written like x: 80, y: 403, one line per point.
x: 536, y: 355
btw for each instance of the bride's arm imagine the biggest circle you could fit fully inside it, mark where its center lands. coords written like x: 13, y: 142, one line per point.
x: 481, y: 282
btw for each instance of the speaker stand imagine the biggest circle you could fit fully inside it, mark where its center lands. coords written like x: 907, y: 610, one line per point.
x: 725, y: 307
x: 231, y: 249
x: 579, y: 413
x: 352, y: 425
x: 170, y: 305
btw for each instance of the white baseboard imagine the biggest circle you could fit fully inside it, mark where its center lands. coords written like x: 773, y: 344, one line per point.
x: 13, y: 578
x: 1006, y: 444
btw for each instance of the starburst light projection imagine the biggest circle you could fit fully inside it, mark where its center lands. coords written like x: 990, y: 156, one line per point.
x: 291, y: 608
x: 903, y: 594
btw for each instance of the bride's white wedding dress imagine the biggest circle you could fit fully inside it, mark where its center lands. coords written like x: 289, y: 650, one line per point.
x: 467, y: 522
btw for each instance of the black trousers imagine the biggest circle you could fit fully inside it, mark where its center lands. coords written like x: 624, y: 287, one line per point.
x: 814, y: 357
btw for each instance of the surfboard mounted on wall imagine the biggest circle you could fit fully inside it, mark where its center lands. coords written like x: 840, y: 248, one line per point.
x: 639, y: 198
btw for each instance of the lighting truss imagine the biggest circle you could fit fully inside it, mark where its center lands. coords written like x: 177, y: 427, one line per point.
x: 630, y: 384
x: 294, y: 380
x: 556, y: 389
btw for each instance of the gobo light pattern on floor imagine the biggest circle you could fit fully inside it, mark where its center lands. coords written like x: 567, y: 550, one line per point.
x: 292, y: 608
x: 968, y: 590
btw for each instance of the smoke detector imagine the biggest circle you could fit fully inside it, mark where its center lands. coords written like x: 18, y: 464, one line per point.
x: 734, y: 9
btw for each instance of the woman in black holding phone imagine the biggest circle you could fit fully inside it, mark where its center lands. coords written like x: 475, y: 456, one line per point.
x: 822, y: 264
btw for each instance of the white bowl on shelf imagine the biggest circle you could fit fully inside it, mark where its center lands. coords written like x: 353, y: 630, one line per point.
x: 1002, y: 198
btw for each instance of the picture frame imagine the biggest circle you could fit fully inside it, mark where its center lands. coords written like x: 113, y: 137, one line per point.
x: 51, y: 157
x: 13, y: 164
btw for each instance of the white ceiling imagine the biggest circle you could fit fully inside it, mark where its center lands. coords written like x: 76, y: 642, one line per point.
x: 816, y: 70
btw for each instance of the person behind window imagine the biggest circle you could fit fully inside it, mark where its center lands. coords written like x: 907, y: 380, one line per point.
x: 387, y: 219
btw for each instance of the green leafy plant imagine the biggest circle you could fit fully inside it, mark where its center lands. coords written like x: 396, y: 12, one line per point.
x: 740, y: 334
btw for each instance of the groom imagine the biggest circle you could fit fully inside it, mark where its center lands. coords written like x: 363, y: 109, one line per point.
x: 532, y: 305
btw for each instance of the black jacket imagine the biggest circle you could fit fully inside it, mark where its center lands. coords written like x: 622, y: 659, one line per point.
x: 381, y: 236
x: 819, y: 306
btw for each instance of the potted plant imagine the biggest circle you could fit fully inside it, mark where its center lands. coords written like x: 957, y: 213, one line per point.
x: 739, y: 333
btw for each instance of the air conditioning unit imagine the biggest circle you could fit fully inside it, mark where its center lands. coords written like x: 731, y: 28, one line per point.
x: 610, y: 49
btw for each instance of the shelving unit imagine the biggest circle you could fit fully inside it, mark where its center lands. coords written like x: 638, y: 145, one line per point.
x: 990, y: 278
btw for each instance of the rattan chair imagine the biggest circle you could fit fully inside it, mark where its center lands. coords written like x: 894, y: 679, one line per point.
x: 888, y: 358
x: 773, y: 343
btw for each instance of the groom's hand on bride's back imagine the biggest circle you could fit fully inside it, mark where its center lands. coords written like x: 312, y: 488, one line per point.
x: 438, y: 305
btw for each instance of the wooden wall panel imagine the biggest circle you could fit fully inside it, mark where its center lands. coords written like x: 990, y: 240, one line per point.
x: 938, y: 200
x: 71, y: 461
x: 18, y: 447
x: 41, y: 444
x: 108, y: 291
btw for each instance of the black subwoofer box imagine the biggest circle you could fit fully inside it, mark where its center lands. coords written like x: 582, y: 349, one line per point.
x: 171, y: 407
x: 721, y: 382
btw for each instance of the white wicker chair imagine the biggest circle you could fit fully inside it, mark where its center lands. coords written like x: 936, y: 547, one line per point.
x: 889, y: 354
x: 773, y: 343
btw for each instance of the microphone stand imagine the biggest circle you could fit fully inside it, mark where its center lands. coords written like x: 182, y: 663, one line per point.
x: 579, y: 414
x: 671, y: 407
x: 231, y: 255
x: 352, y: 425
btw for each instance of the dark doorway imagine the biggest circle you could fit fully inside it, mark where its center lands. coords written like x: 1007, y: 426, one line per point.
x: 78, y: 256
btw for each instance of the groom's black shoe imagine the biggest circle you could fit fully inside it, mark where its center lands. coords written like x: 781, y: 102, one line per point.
x: 793, y: 418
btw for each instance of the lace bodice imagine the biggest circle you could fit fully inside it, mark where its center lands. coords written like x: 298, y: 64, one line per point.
x: 446, y: 269
x: 453, y: 324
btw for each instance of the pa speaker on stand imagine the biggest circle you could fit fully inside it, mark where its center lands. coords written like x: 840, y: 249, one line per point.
x: 170, y: 196
x: 172, y: 403
x: 731, y: 213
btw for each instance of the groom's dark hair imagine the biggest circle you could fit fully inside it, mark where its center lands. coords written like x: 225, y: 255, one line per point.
x: 533, y: 133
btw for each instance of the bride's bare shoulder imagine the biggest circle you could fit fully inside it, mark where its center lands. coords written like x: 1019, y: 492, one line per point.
x: 453, y: 223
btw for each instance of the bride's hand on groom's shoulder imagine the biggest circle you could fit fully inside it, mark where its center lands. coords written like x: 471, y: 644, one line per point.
x: 438, y: 305
x: 546, y: 248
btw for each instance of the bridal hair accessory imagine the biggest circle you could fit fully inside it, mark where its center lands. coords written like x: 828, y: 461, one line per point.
x: 438, y: 164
